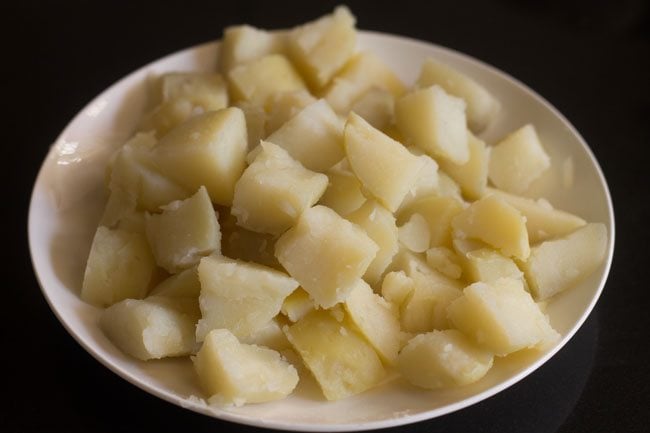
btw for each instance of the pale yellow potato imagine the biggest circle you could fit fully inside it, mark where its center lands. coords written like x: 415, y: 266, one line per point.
x: 377, y: 106
x: 314, y: 136
x: 209, y: 150
x: 434, y: 121
x: 482, y: 106
x: 243, y: 44
x: 184, y: 232
x: 384, y: 167
x: 438, y: 212
x: 326, y: 254
x: 320, y: 48
x: 471, y: 176
x: 297, y: 305
x: 120, y: 266
x: 445, y: 261
x: 558, y: 264
x: 233, y: 373
x: 441, y: 359
x: 258, y: 80
x: 518, y: 160
x: 340, y: 359
x: 501, y: 317
x: 426, y: 184
x: 495, y: 222
x: 343, y: 193
x: 255, y: 122
x: 185, y: 284
x: 379, y: 225
x: 414, y: 234
x: 488, y: 265
x: 396, y: 287
x: 270, y: 336
x: 283, y: 106
x: 167, y: 115
x: 151, y: 328
x: 364, y: 72
x: 274, y: 191
x: 242, y: 297
x: 542, y: 220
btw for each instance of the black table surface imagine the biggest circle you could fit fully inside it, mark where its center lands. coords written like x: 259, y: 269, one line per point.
x: 590, y: 59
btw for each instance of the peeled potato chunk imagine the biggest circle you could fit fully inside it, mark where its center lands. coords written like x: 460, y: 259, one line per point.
x: 414, y: 234
x: 495, y: 222
x: 487, y: 265
x: 239, y: 296
x: 517, y: 160
x: 342, y: 362
x: 233, y: 373
x: 274, y: 191
x: 555, y: 265
x: 283, y: 106
x: 426, y: 184
x: 120, y: 266
x: 151, y: 328
x: 255, y: 122
x: 473, y: 175
x: 481, y: 105
x: 441, y: 359
x: 297, y: 305
x: 326, y: 254
x: 244, y: 43
x: 314, y: 136
x: 343, y: 193
x: 501, y: 317
x: 270, y: 336
x: 445, y: 261
x: 435, y: 122
x: 185, y: 284
x: 184, y: 232
x: 377, y: 106
x: 438, y: 212
x: 384, y: 167
x: 209, y: 149
x: 321, y: 47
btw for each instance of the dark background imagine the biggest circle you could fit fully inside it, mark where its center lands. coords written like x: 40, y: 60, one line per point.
x: 590, y: 59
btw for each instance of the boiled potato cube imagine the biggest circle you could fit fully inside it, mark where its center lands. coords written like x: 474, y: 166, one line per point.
x: 259, y: 79
x: 445, y: 261
x: 555, y: 265
x: 120, y: 266
x: 321, y: 47
x: 151, y: 328
x: 167, y: 115
x: 326, y: 254
x: 376, y: 319
x: 441, y: 359
x: 501, y: 317
x: 343, y: 193
x: 471, y: 176
x: 270, y: 336
x: 427, y: 182
x: 342, y: 362
x: 495, y: 222
x: 243, y: 44
x: 377, y: 106
x: 487, y: 265
x: 185, y: 284
x: 255, y: 122
x: 438, y: 212
x: 314, y: 137
x: 283, y: 106
x: 517, y: 160
x: 396, y: 287
x: 364, y: 72
x: 239, y: 296
x: 297, y: 305
x: 435, y: 122
x: 414, y: 234
x: 380, y: 226
x: 274, y: 191
x: 384, y: 167
x: 232, y: 373
x: 186, y: 231
x: 209, y: 150
x: 542, y: 220
x: 481, y: 105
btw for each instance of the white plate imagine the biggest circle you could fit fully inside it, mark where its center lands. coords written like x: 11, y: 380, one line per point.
x: 68, y: 197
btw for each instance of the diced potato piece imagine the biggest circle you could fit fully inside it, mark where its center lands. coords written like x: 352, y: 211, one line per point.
x: 342, y: 362
x: 445, y: 261
x: 321, y: 47
x: 270, y: 336
x: 167, y: 115
x: 481, y: 105
x: 517, y: 160
x: 380, y: 226
x: 314, y: 137
x: 435, y: 122
x: 362, y: 73
x: 376, y: 319
x: 384, y: 167
x: 443, y: 358
x: 185, y: 284
x: 447, y: 187
x: 326, y: 254
x: 283, y: 106
x: 377, y: 106
x: 487, y: 265
x: 151, y: 328
x: 274, y: 191
x: 471, y: 176
x: 495, y: 222
x: 414, y: 234
x: 542, y: 220
x: 243, y: 44
x: 259, y: 79
x: 239, y: 296
x: 186, y: 231
x: 501, y: 317
x: 558, y: 264
x: 255, y: 122
x: 235, y: 373
x: 120, y: 266
x: 209, y: 149
x: 438, y: 213
x: 343, y: 193
x: 427, y: 182
x: 297, y: 305
x: 397, y: 287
